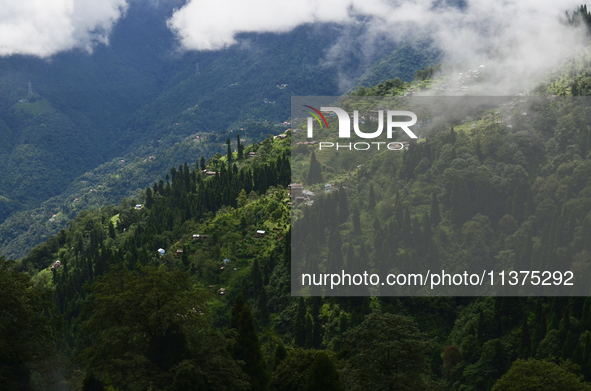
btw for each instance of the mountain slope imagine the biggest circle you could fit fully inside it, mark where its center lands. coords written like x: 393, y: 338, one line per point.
x: 139, y: 96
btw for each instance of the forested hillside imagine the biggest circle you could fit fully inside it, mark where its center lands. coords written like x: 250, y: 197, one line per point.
x: 140, y: 96
x: 186, y: 283
x: 219, y: 292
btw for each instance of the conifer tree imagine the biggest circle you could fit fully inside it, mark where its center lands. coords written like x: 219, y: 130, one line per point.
x: 577, y: 356
x: 371, y: 199
x: 343, y: 206
x: 539, y: 330
x: 519, y: 201
x: 262, y: 304
x: 481, y: 330
x: 460, y: 203
x: 530, y: 207
x: 556, y: 307
x: 377, y: 244
x: 229, y: 152
x: 365, y: 306
x: 343, y: 322
x: 149, y: 198
x: 247, y: 347
x: 417, y: 235
x: 436, y: 364
x: 112, y: 233
x: 299, y: 326
x: 434, y: 214
x: 333, y: 217
x: 309, y: 344
x: 317, y: 324
x: 426, y: 230
x: 570, y: 344
x: 185, y: 258
x: 377, y: 227
x: 350, y: 259
x: 565, y: 328
x: 553, y: 325
x: 356, y: 222
x: 452, y: 136
x: 363, y: 263
x: 323, y: 375
x: 406, y: 228
x: 239, y: 147
x: 280, y: 354
x: 387, y: 257
x: 255, y: 277
x: 433, y: 255
x: 315, y: 172
x: 525, y: 338
x: 398, y: 211
x: 334, y: 249
x: 525, y: 258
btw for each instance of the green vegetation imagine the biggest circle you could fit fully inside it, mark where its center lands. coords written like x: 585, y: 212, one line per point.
x: 231, y: 278
x: 215, y: 311
x: 27, y: 335
x: 132, y: 99
x: 402, y: 63
x: 540, y: 375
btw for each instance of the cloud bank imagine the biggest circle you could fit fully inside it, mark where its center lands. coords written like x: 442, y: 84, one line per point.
x: 515, y: 38
x: 212, y: 25
x: 521, y: 37
x: 44, y: 27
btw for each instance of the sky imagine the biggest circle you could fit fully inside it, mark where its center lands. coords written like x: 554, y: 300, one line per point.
x: 43, y: 28
x: 521, y: 37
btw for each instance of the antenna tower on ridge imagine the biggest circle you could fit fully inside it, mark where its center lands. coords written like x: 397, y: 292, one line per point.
x: 30, y: 89
x: 197, y: 69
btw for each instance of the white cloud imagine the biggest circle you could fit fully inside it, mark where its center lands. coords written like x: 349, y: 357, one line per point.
x: 45, y: 27
x: 521, y: 37
x: 212, y: 25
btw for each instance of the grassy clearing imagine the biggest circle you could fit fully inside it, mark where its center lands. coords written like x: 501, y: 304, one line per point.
x: 115, y: 220
x: 40, y: 106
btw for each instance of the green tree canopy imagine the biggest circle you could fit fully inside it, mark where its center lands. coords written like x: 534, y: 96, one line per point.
x: 247, y: 347
x: 26, y: 335
x: 292, y: 373
x: 389, y: 353
x: 540, y: 375
x: 149, y: 325
x: 315, y: 172
x: 323, y: 375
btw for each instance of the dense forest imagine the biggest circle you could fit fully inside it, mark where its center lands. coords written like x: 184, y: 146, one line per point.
x: 213, y: 309
x: 186, y: 285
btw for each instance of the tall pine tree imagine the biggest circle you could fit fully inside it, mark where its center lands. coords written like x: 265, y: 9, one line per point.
x: 247, y: 347
x: 315, y: 172
x: 460, y: 203
x: 435, y: 215
x: 299, y: 326
x: 323, y: 375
